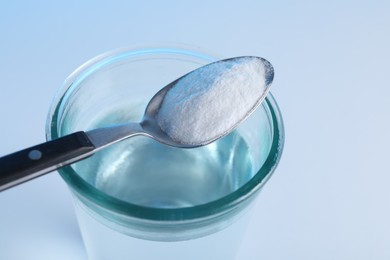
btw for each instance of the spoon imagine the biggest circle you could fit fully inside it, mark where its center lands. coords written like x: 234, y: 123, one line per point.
x: 35, y: 161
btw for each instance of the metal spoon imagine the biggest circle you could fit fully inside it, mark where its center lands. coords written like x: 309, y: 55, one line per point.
x: 35, y: 161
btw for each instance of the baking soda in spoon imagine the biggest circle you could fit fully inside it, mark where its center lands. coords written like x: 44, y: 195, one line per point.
x: 210, y: 102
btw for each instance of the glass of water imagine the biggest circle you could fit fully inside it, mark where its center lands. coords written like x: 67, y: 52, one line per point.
x: 139, y: 199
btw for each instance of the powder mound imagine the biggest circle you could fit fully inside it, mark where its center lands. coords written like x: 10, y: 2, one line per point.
x: 211, y: 100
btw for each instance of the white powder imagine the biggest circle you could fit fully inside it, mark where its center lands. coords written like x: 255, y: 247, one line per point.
x: 210, y: 101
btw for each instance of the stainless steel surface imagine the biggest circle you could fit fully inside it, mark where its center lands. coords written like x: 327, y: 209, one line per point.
x: 17, y: 168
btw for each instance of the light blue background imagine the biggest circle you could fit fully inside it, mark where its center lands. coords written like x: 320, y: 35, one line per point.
x: 330, y: 196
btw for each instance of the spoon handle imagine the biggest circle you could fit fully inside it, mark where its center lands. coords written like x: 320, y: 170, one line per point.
x: 37, y: 160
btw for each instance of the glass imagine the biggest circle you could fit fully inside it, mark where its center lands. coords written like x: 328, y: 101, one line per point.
x: 139, y: 199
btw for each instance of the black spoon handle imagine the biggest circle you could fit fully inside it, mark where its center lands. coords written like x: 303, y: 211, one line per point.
x: 35, y: 161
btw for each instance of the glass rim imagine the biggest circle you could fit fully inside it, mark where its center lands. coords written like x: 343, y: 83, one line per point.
x: 101, y: 199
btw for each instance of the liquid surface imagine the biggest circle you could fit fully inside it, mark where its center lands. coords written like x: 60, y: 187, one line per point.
x: 145, y: 172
